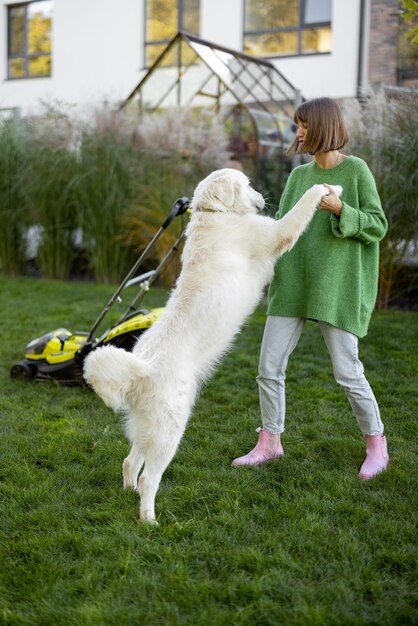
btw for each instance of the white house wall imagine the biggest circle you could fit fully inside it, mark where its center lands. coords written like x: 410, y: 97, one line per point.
x: 222, y: 22
x: 333, y: 75
x: 98, y: 52
x: 105, y: 58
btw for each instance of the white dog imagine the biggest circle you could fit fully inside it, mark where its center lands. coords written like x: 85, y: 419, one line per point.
x: 227, y: 260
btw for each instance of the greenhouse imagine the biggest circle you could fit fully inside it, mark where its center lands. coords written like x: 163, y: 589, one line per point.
x: 255, y: 101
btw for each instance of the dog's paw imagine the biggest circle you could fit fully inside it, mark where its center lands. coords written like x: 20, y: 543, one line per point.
x: 148, y: 517
x: 315, y: 193
x: 319, y: 191
x: 130, y: 475
x: 337, y: 188
x: 128, y: 483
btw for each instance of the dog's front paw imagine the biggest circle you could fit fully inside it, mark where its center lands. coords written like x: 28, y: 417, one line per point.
x: 335, y: 188
x: 319, y: 191
x: 315, y: 193
x: 338, y: 189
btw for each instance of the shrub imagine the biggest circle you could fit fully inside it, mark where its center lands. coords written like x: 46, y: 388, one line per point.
x: 384, y: 132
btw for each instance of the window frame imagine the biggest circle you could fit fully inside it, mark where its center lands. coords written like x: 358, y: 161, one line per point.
x: 301, y: 27
x: 159, y: 42
x: 25, y: 55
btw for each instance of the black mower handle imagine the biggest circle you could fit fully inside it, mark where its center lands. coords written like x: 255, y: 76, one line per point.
x: 179, y: 207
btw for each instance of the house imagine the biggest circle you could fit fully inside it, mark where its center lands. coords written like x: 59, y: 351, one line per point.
x: 86, y: 52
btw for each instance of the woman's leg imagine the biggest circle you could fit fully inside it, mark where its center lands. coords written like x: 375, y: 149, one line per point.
x: 349, y: 373
x: 281, y: 335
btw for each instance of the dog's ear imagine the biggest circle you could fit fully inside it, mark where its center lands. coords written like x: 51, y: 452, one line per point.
x: 222, y: 190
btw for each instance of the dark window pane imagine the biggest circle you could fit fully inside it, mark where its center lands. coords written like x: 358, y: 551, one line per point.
x: 407, y: 52
x: 268, y: 14
x: 152, y: 52
x: 39, y: 27
x: 316, y: 40
x: 17, y: 68
x: 317, y: 11
x: 39, y: 32
x: 185, y: 55
x: 191, y: 16
x: 40, y: 66
x: 271, y: 44
x: 161, y: 20
x: 17, y: 30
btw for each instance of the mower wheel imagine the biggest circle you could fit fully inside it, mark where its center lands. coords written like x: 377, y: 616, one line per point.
x: 22, y: 371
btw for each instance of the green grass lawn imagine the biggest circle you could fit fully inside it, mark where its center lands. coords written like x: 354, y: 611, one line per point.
x: 298, y: 542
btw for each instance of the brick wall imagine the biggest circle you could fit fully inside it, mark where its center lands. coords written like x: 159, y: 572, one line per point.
x: 384, y: 27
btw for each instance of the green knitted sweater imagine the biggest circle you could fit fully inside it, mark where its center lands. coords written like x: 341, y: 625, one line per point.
x: 331, y: 273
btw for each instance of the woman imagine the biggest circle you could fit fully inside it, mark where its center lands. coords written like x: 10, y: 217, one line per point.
x: 330, y: 276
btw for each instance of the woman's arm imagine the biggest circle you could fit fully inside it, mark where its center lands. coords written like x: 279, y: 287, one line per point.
x: 367, y: 223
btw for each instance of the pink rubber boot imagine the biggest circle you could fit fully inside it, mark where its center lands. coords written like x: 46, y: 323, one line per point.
x: 377, y: 458
x: 267, y: 449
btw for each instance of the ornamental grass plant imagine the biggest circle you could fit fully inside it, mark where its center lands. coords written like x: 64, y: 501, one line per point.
x: 50, y: 186
x: 111, y: 176
x: 104, y: 193
x: 13, y: 200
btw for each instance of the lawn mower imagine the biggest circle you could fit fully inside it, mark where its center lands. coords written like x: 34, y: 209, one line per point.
x: 59, y: 355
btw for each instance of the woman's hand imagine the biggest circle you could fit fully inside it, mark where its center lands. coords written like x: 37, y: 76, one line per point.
x: 331, y: 202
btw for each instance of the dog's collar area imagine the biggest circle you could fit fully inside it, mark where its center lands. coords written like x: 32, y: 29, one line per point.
x: 201, y: 209
x: 209, y: 210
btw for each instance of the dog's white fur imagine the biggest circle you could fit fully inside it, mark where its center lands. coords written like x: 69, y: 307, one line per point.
x: 227, y: 260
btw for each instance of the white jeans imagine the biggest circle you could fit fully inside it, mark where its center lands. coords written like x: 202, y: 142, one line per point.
x: 281, y: 335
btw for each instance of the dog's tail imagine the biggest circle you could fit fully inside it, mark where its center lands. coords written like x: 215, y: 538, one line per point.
x: 114, y: 373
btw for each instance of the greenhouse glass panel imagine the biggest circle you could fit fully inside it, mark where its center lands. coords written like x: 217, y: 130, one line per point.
x: 255, y: 101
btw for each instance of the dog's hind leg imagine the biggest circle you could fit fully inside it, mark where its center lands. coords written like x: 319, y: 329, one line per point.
x: 155, y: 466
x: 148, y: 486
x: 131, y: 468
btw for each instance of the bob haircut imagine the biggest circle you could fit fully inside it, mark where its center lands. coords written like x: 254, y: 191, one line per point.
x: 326, y: 129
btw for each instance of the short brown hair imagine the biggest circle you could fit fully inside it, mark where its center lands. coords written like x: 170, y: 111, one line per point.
x: 326, y: 129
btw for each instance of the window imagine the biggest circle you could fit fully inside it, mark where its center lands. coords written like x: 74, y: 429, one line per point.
x: 30, y: 39
x: 10, y: 113
x: 164, y: 19
x: 407, y: 58
x: 287, y: 27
